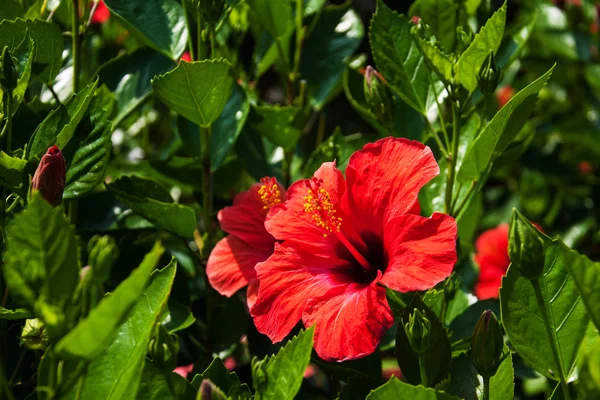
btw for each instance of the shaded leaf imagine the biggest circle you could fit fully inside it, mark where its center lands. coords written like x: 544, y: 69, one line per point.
x: 229, y: 125
x: 228, y: 382
x: 274, y: 16
x: 17, y: 313
x: 276, y: 124
x: 586, y: 276
x: 441, y: 16
x: 395, y: 389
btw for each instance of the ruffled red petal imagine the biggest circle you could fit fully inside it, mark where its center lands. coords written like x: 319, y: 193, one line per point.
x: 493, y: 261
x: 246, y: 218
x: 231, y: 264
x: 421, y: 251
x: 384, y: 178
x: 290, y: 222
x: 252, y: 293
x: 350, y: 321
x: 287, y: 280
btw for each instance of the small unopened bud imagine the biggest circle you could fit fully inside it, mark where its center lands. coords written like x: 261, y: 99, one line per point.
x: 525, y: 246
x: 487, y: 345
x: 380, y: 100
x: 489, y: 75
x: 163, y: 349
x: 8, y: 71
x: 50, y: 176
x: 209, y: 391
x: 418, y: 331
x: 464, y: 38
x: 103, y: 252
x: 34, y: 335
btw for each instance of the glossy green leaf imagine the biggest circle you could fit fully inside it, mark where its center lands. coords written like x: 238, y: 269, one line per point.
x: 198, y: 91
x: 12, y: 170
x: 335, y: 37
x: 487, y: 39
x: 523, y: 318
x: 116, y: 372
x: 228, y: 382
x: 178, y: 317
x: 440, y: 61
x: 11, y: 9
x: 41, y: 267
x: 129, y: 75
x: 279, y: 377
x: 398, y: 58
x: 441, y: 16
x: 276, y: 124
x: 158, y: 23
x: 229, y: 125
x: 59, y: 126
x: 586, y: 276
x: 150, y: 200
x: 274, y: 16
x: 94, y: 334
x: 47, y: 37
x: 395, y: 389
x: 157, y: 384
x: 24, y: 54
x: 500, y: 131
x: 17, y: 313
x: 88, y: 164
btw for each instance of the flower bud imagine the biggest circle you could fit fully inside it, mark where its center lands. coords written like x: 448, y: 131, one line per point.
x: 8, y: 71
x: 464, y: 38
x: 163, y: 349
x: 103, y: 252
x: 525, y: 246
x: 487, y: 345
x: 489, y: 75
x: 380, y: 100
x: 50, y: 176
x: 34, y: 335
x: 209, y: 391
x: 418, y: 331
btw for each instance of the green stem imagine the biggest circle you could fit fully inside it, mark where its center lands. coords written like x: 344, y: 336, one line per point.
x: 187, y: 24
x: 213, y: 42
x: 437, y: 138
x: 452, y: 163
x: 207, y: 187
x: 549, y: 331
x: 76, y: 45
x: 201, y: 54
x: 424, y: 380
x: 8, y: 99
x: 486, y: 388
x: 299, y: 38
x: 465, y: 200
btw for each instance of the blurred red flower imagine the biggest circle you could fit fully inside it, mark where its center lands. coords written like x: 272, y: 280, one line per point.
x: 492, y: 258
x: 102, y: 13
x: 186, y: 57
x: 230, y: 265
x: 585, y: 167
x: 50, y: 176
x: 503, y: 95
x: 345, y: 241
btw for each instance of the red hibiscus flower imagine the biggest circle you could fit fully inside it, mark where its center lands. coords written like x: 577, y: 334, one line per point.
x: 504, y: 94
x: 102, y: 14
x: 186, y: 57
x: 492, y: 258
x: 345, y: 241
x: 230, y: 265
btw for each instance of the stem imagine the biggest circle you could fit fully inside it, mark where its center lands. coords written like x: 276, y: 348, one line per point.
x: 213, y: 43
x: 486, y: 388
x: 551, y: 337
x: 76, y: 44
x: 452, y: 163
x: 201, y: 49
x: 422, y: 370
x: 8, y: 128
x: 437, y: 138
x: 207, y: 189
x: 465, y: 200
x: 299, y: 38
x: 19, y: 362
x: 4, y: 386
x: 187, y: 24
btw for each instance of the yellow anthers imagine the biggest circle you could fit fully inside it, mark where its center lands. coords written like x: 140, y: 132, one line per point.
x: 269, y: 192
x: 318, y: 203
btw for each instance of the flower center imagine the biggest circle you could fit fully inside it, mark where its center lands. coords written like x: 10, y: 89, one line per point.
x: 317, y: 202
x: 269, y: 192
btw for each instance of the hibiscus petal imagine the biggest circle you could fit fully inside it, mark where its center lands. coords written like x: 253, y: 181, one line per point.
x: 246, y: 218
x: 287, y: 280
x: 488, y: 289
x: 231, y: 264
x: 384, y: 178
x: 252, y: 293
x: 290, y: 222
x: 492, y: 248
x: 421, y: 251
x: 350, y: 321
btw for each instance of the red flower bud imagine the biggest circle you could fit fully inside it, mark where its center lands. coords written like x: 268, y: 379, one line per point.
x: 101, y: 14
x: 50, y: 176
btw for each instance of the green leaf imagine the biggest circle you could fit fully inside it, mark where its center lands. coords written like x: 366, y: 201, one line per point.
x: 437, y: 359
x: 586, y: 276
x: 10, y: 9
x: 515, y: 42
x: 18, y: 313
x: 229, y: 125
x: 335, y: 37
x: 178, y: 317
x: 93, y: 334
x: 88, y: 165
x: 227, y: 381
x: 488, y: 39
x: 116, y: 372
x: 150, y: 200
x: 198, y: 91
x: 12, y: 170
x: 274, y: 16
x: 158, y: 23
x: 523, y: 319
x: 398, y: 58
x: 395, y: 389
x: 440, y: 61
x: 441, y: 16
x: 47, y: 36
x: 500, y: 131
x: 157, y: 384
x: 276, y: 124
x: 41, y: 265
x: 129, y: 75
x: 24, y: 54
x: 59, y: 126
x: 280, y: 376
